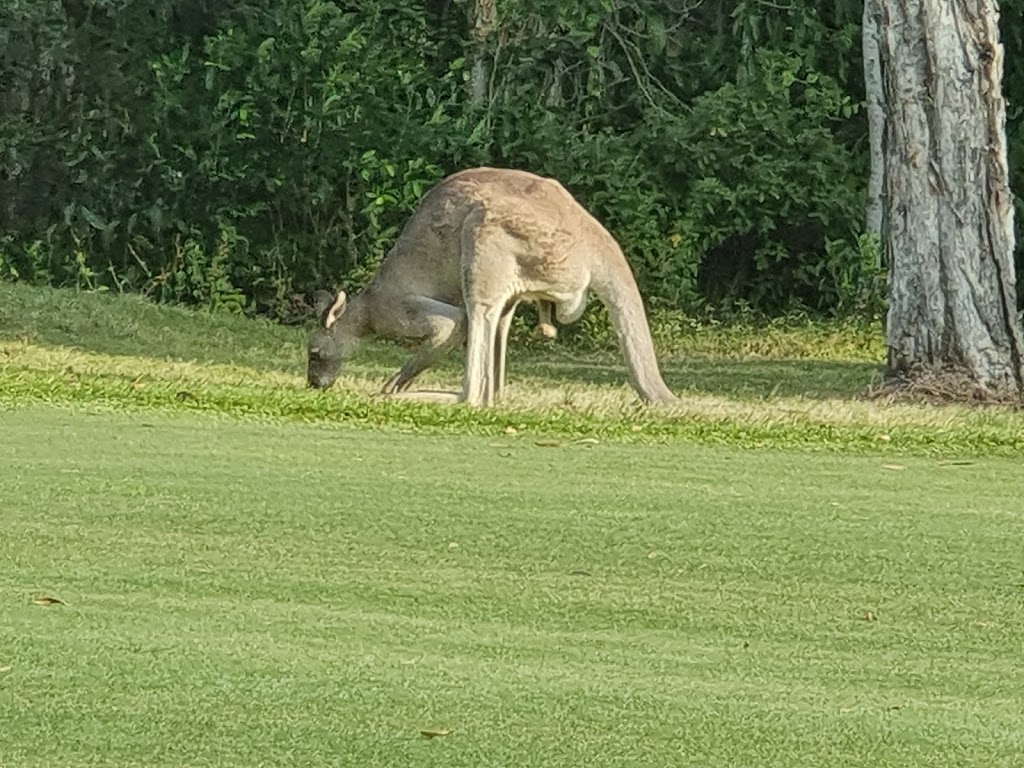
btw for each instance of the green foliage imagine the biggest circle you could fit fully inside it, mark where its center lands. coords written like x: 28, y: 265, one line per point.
x: 201, y: 278
x: 235, y: 154
x: 768, y: 188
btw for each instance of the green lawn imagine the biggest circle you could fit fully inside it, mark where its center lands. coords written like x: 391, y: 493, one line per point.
x: 288, y: 594
x: 775, y: 572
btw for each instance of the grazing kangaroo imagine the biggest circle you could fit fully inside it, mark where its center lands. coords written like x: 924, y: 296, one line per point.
x: 480, y: 242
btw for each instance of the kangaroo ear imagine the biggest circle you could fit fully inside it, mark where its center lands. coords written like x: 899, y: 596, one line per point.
x: 331, y: 314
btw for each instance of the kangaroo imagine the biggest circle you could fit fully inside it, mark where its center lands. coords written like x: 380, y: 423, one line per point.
x: 480, y: 242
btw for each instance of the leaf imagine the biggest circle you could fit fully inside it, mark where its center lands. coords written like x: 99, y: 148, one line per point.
x: 658, y: 34
x: 870, y: 616
x: 431, y: 733
x: 893, y: 467
x: 266, y: 48
x: 94, y: 220
x: 6, y: 668
x: 44, y: 600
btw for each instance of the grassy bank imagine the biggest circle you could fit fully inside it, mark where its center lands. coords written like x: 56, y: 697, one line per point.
x: 781, y: 385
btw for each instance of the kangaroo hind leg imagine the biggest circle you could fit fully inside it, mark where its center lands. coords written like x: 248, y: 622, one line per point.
x: 489, y: 275
x: 501, y: 346
x: 481, y: 345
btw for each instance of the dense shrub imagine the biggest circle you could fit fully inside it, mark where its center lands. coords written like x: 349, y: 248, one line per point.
x: 235, y: 154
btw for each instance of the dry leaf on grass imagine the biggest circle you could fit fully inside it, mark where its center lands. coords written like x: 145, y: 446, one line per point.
x: 870, y: 616
x: 6, y: 668
x: 893, y: 467
x: 431, y: 733
x: 47, y: 601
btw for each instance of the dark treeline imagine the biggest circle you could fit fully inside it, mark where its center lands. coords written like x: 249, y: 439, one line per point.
x: 237, y: 153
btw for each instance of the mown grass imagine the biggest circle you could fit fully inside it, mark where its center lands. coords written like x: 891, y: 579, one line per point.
x: 282, y: 594
x: 793, y: 384
x: 256, y: 574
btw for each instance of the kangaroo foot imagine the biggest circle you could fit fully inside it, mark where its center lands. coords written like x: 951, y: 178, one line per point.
x: 546, y: 331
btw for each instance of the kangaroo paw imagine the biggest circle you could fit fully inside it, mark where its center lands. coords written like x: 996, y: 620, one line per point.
x: 546, y: 331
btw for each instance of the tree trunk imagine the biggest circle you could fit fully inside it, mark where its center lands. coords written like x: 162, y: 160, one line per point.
x: 482, y: 19
x: 874, y: 93
x: 948, y: 206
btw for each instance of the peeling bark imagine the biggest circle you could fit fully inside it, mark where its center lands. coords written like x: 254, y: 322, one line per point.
x: 948, y: 207
x: 875, y: 100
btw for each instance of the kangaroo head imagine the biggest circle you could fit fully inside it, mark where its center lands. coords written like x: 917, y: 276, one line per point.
x: 324, y: 348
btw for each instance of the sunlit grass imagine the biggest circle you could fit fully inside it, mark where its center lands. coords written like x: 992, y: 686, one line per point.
x: 534, y: 406
x: 281, y: 594
x: 122, y: 352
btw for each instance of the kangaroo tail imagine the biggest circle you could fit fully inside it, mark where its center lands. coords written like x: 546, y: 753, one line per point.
x: 621, y: 296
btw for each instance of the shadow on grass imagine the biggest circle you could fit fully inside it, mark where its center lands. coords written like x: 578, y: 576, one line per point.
x: 132, y: 326
x: 748, y: 379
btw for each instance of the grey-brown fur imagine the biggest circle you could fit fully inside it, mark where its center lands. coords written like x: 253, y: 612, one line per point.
x: 482, y: 241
